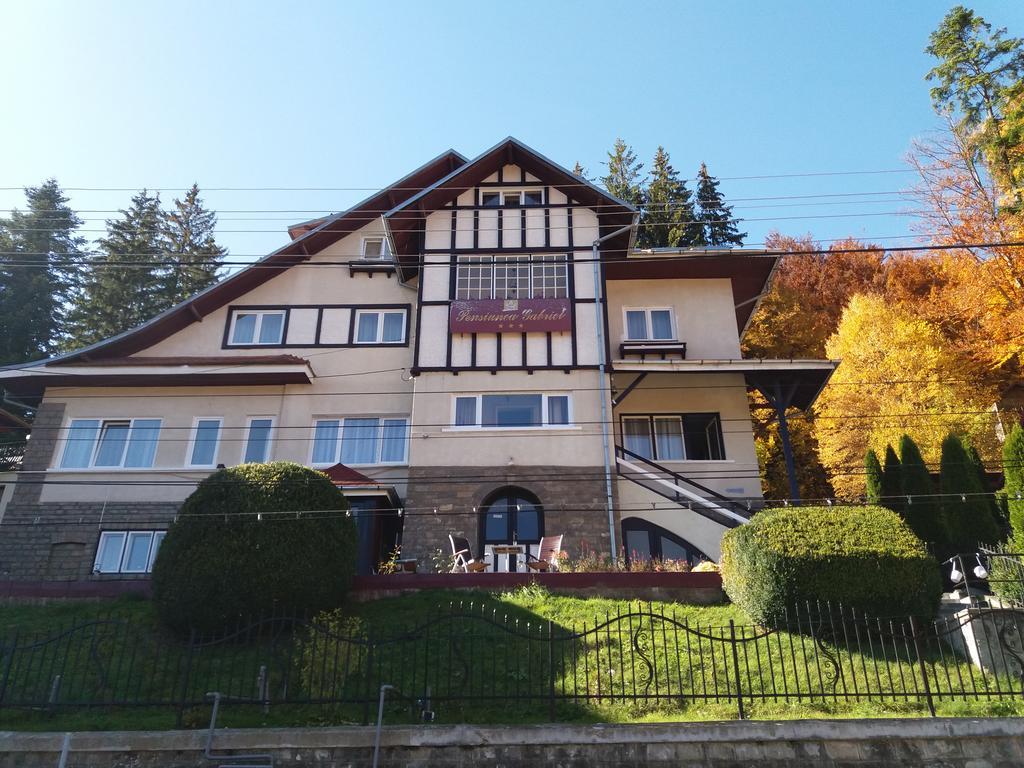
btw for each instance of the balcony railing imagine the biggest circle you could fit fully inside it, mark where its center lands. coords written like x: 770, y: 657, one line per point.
x: 11, y: 456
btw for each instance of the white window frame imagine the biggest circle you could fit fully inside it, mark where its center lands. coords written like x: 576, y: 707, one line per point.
x: 156, y: 539
x: 260, y: 314
x: 270, y: 437
x: 378, y: 448
x: 385, y: 248
x: 652, y: 418
x: 195, y: 434
x: 650, y: 326
x: 104, y: 420
x: 534, y: 263
x: 478, y: 413
x: 379, y: 340
x: 521, y: 192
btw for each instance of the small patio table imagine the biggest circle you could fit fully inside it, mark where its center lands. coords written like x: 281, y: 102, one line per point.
x: 511, y: 552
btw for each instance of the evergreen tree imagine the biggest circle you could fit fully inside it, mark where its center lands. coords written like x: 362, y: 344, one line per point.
x: 965, y: 512
x: 624, y: 179
x: 990, y: 498
x: 717, y: 224
x: 189, y: 241
x: 1013, y: 472
x: 873, y: 477
x: 579, y: 170
x: 980, y: 80
x: 920, y: 511
x: 668, y: 218
x: 38, y: 273
x: 892, y: 481
x: 123, y: 287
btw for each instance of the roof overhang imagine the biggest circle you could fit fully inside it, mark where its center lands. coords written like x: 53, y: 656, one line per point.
x: 32, y: 381
x: 750, y: 272
x: 309, y: 238
x: 803, y: 378
x: 406, y: 222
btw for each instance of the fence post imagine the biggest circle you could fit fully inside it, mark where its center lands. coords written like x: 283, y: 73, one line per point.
x: 370, y: 680
x: 185, y: 678
x: 922, y: 667
x: 9, y: 651
x: 551, y: 671
x: 736, y: 667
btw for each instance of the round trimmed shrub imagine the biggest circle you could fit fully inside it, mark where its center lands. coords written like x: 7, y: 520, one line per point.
x: 865, y: 558
x: 252, y: 539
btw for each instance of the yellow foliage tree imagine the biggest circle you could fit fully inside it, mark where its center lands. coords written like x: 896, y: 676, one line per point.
x: 899, y: 375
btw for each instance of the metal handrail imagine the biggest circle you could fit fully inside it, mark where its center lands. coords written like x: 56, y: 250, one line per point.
x: 725, y: 500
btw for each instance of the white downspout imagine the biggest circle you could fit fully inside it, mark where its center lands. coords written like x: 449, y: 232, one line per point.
x: 603, y: 390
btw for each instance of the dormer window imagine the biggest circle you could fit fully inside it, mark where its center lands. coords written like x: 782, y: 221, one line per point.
x: 511, y: 198
x: 650, y: 324
x: 376, y: 249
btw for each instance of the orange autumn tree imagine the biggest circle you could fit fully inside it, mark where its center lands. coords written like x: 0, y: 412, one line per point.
x: 899, y: 375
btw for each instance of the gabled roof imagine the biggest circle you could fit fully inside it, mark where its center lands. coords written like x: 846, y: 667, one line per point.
x: 312, y: 240
x: 406, y: 221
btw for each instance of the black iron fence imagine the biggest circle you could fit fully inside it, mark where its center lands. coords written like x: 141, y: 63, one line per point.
x: 469, y: 661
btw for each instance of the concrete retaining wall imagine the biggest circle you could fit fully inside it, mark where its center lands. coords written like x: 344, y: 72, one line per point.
x: 950, y: 743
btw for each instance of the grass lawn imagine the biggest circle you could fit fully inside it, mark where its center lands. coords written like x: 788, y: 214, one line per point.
x: 497, y: 661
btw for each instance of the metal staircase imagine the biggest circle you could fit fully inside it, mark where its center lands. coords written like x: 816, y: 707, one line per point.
x: 681, y: 490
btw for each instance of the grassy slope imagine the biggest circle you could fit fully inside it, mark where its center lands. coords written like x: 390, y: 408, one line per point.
x: 512, y: 670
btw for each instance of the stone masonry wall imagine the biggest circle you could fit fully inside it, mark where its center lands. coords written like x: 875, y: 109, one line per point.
x: 920, y: 743
x: 57, y: 542
x: 573, y: 499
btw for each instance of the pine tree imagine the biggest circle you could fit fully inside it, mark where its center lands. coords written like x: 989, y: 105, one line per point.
x: 892, y: 481
x: 579, y: 170
x: 873, y: 477
x: 1013, y: 472
x: 920, y: 511
x: 668, y: 218
x: 34, y: 296
x: 189, y: 241
x: 965, y: 511
x: 718, y: 226
x: 624, y: 179
x: 990, y: 498
x: 123, y: 287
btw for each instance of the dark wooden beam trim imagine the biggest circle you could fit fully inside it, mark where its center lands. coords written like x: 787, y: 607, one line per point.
x: 625, y: 393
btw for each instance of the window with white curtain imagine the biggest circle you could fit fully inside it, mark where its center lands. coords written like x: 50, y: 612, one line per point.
x: 113, y: 443
x: 674, y: 437
x: 650, y: 324
x: 511, y: 411
x: 127, y: 551
x: 257, y: 327
x: 540, y: 276
x: 376, y: 326
x: 361, y: 440
x: 205, y: 438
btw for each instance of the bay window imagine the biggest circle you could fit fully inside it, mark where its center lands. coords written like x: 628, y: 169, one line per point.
x: 511, y: 411
x: 541, y: 276
x: 368, y: 440
x: 113, y: 443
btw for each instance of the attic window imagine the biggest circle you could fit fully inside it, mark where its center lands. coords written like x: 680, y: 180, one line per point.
x: 376, y: 248
x: 512, y: 198
x: 257, y: 327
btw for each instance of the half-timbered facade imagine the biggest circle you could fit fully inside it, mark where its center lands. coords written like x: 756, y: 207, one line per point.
x: 477, y: 349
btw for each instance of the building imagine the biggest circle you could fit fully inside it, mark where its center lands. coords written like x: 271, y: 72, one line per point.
x: 477, y: 348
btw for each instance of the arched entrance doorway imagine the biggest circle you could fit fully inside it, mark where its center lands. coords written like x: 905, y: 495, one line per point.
x: 511, y: 517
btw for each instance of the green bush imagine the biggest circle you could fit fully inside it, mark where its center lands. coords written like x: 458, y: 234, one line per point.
x: 252, y: 539
x: 1013, y: 471
x: 892, y: 481
x: 966, y: 510
x: 865, y: 558
x: 872, y: 477
x: 921, y: 507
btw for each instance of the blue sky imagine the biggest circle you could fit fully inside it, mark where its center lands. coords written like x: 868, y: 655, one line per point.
x: 356, y: 94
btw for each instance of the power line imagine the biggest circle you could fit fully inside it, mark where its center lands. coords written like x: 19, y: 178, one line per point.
x: 638, y: 256
x: 581, y: 184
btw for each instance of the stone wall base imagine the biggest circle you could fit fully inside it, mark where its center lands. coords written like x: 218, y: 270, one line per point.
x: 951, y: 743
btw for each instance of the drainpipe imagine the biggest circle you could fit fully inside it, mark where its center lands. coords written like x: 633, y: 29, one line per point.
x: 602, y: 366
